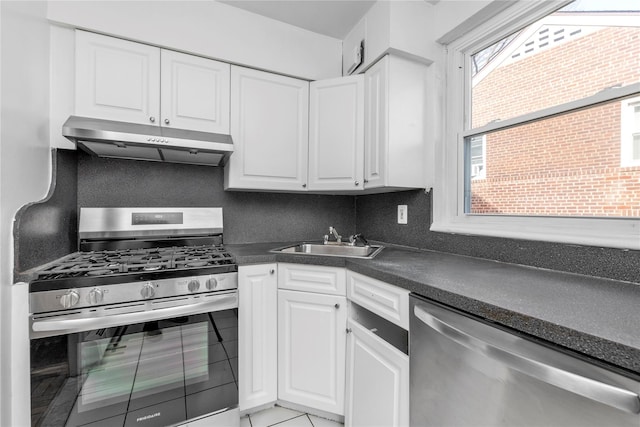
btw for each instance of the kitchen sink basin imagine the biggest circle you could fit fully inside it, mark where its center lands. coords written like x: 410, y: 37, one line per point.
x: 331, y: 249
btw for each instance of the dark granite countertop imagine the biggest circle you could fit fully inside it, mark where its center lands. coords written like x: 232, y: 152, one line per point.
x: 592, y: 316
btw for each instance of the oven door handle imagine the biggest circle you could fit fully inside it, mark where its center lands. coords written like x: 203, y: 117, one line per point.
x: 55, y: 326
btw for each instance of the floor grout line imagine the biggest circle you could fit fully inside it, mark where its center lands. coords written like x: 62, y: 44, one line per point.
x: 300, y: 415
x: 293, y: 418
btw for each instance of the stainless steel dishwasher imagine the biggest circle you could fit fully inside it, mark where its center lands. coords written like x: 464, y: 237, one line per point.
x: 465, y: 372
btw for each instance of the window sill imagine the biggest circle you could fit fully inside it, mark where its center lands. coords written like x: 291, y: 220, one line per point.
x: 619, y: 233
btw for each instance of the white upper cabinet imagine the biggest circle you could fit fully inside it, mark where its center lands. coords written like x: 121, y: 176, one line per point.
x: 195, y: 92
x: 137, y: 83
x: 117, y: 79
x: 401, y: 27
x: 395, y: 135
x: 269, y: 126
x: 336, y: 134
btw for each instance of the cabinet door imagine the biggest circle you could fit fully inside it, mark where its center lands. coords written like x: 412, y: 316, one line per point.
x: 377, y: 381
x: 396, y: 140
x: 376, y: 118
x: 269, y: 126
x: 195, y: 92
x: 117, y: 79
x: 311, y: 349
x: 257, y: 332
x: 336, y: 134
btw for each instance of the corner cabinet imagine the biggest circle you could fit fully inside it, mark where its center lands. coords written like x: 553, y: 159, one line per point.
x: 396, y: 140
x: 133, y: 82
x: 377, y: 380
x: 336, y: 134
x: 312, y: 337
x: 269, y: 126
x: 377, y: 384
x: 257, y: 332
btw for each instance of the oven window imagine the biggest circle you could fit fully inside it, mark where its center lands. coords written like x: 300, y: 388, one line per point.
x: 148, y: 374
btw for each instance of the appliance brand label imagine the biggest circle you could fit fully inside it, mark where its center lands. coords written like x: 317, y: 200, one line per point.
x: 150, y: 218
x: 147, y: 417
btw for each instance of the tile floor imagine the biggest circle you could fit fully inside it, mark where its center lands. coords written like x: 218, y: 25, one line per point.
x: 283, y: 417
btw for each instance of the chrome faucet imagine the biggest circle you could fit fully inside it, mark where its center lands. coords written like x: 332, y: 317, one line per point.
x: 334, y: 232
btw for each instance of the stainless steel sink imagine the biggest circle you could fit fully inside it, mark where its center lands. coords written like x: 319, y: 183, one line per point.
x: 331, y: 249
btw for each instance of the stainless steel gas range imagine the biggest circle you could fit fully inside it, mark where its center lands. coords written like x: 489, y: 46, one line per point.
x: 138, y: 328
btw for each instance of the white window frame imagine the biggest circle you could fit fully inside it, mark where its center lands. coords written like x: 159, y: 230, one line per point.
x: 628, y: 128
x: 448, y: 198
x: 483, y: 172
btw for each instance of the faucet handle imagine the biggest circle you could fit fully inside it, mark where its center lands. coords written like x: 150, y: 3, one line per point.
x: 354, y: 239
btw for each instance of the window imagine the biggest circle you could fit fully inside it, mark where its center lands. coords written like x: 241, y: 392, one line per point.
x: 477, y: 154
x: 630, y: 132
x: 535, y: 132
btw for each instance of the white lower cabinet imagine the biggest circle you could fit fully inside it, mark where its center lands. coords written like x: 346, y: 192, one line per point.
x: 301, y: 341
x: 257, y: 331
x: 377, y: 380
x: 311, y: 349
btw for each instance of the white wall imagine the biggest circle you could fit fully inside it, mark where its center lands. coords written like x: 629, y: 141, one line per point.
x: 211, y: 29
x: 25, y: 162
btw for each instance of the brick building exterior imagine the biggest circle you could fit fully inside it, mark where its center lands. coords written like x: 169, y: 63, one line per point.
x: 570, y: 164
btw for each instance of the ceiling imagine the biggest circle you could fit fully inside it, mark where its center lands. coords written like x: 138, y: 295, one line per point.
x: 333, y: 18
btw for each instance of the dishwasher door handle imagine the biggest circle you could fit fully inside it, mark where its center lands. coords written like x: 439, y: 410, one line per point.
x: 613, y: 396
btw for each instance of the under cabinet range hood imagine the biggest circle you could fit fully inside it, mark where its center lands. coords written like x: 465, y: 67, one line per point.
x: 107, y: 138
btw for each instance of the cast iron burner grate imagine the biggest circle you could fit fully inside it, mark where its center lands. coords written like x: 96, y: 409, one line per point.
x: 107, y: 263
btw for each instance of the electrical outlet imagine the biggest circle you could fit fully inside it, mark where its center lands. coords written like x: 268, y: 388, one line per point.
x: 402, y: 214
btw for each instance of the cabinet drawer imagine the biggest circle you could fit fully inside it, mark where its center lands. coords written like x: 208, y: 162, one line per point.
x: 312, y: 278
x: 387, y: 301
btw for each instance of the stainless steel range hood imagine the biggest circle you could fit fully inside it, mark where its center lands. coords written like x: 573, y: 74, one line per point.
x: 107, y: 138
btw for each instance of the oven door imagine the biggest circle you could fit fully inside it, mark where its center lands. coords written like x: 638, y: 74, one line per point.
x: 158, y: 372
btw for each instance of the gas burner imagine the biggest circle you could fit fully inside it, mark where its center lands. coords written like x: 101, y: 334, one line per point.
x: 99, y: 272
x: 151, y: 256
x: 196, y: 263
